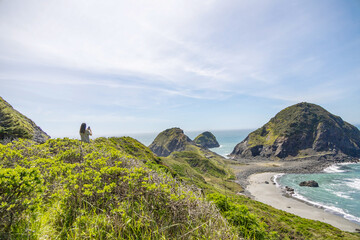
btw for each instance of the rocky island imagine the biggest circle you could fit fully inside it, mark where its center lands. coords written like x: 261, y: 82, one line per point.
x: 207, y: 140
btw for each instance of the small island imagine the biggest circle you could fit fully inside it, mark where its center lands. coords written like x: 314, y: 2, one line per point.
x: 207, y: 140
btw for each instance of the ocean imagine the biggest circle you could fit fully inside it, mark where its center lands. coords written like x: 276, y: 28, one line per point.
x: 226, y: 138
x: 338, y: 191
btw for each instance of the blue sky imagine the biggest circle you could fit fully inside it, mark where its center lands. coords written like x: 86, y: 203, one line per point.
x: 143, y: 66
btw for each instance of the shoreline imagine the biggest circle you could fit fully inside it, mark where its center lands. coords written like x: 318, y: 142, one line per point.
x: 274, y: 196
x: 244, y: 168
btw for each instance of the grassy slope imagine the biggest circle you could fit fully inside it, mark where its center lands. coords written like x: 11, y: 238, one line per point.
x: 13, y: 124
x: 109, y: 189
x: 290, y: 226
x: 116, y: 188
x: 212, y: 174
x: 204, y: 168
x: 299, y: 118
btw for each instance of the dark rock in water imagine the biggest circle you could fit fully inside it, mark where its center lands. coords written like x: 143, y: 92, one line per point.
x: 300, y: 130
x: 169, y: 141
x: 310, y: 183
x: 14, y: 125
x: 207, y: 139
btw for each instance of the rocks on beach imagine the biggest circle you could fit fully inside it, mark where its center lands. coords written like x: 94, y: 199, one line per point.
x: 289, y: 190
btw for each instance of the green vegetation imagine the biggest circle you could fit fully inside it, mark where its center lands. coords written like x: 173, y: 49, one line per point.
x: 116, y: 188
x: 303, y: 126
x: 203, y: 168
x: 282, y: 225
x: 263, y: 136
x: 249, y: 218
x: 108, y: 189
x: 301, y: 118
x: 15, y: 125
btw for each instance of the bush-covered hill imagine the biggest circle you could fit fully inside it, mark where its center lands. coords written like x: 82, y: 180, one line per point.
x: 109, y: 189
x: 249, y: 218
x: 205, y: 169
x: 116, y: 188
x: 299, y: 130
x: 13, y: 124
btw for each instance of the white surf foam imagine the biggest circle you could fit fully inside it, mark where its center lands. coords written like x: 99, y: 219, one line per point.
x: 336, y: 167
x: 343, y: 195
x: 353, y: 183
x: 276, y: 177
x: 332, y: 209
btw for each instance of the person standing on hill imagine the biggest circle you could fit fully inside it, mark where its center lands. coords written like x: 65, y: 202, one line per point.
x: 85, y: 133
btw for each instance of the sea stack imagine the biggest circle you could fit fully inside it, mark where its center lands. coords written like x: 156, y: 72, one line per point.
x: 14, y: 125
x: 300, y: 130
x: 169, y: 141
x: 207, y: 140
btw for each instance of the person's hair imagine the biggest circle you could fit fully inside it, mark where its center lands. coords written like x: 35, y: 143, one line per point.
x: 82, y: 128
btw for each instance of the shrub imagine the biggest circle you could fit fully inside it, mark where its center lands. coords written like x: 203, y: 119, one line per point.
x: 20, y: 190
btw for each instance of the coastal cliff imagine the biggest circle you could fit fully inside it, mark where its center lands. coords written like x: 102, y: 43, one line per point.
x: 13, y: 125
x: 301, y: 130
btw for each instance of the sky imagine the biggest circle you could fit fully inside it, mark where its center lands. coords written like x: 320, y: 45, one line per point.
x: 127, y: 67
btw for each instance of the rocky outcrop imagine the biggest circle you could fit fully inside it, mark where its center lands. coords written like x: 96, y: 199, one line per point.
x: 169, y: 141
x: 207, y: 140
x: 14, y: 125
x: 303, y: 128
x: 310, y: 183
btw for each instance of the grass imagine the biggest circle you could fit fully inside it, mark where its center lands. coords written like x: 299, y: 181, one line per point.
x: 14, y: 124
x: 116, y: 188
x: 108, y: 189
x: 250, y: 219
x: 203, y: 168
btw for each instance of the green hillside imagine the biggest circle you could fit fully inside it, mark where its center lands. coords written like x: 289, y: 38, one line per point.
x: 303, y: 128
x: 109, y: 189
x: 13, y: 124
x: 116, y: 188
x: 203, y: 168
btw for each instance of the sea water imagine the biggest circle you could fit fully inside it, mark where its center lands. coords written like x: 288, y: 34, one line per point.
x: 338, y: 191
x: 227, y: 139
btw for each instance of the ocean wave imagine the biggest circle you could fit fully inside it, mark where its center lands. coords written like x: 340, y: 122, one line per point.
x: 342, y: 195
x: 336, y: 167
x: 331, y: 209
x: 353, y: 183
x: 275, y: 179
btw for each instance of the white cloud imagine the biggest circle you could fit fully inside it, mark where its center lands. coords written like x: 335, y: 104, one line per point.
x: 151, y: 54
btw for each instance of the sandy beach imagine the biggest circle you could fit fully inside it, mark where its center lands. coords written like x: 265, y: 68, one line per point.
x: 272, y: 195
